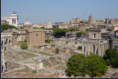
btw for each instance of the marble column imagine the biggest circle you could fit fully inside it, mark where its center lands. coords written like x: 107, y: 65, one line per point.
x: 95, y: 48
x: 83, y: 47
x: 3, y: 56
x: 88, y: 49
x: 92, y: 47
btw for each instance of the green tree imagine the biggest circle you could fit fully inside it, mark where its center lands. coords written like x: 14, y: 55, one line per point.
x: 80, y: 33
x: 21, y: 27
x: 59, y: 32
x: 23, y: 46
x: 42, y: 28
x: 6, y: 27
x: 112, y: 55
x: 87, y: 30
x: 108, y: 62
x: 73, y: 29
x: 79, y: 65
x: 80, y: 47
x: 68, y: 34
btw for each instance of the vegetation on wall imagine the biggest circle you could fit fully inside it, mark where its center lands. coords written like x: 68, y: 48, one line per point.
x: 93, y: 65
x: 111, y: 57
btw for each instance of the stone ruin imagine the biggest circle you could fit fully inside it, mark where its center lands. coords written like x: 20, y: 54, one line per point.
x: 52, y: 60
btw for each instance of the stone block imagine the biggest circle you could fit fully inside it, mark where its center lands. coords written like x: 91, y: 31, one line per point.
x: 86, y: 76
x: 72, y: 76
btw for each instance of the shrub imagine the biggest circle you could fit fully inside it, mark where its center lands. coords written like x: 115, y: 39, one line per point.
x: 34, y: 71
x: 23, y: 46
x: 66, y: 42
x: 80, y: 47
x: 57, y: 50
x: 25, y: 40
x: 48, y: 40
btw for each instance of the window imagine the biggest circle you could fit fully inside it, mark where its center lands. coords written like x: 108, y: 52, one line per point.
x: 14, y: 21
x: 36, y: 34
x: 94, y: 35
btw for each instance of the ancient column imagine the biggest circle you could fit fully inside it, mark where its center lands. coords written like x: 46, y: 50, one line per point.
x: 92, y: 47
x: 82, y: 47
x: 3, y: 56
x: 88, y: 49
x: 95, y: 48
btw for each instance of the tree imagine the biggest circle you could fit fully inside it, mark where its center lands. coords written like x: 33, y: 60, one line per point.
x: 87, y: 30
x: 42, y: 28
x: 97, y: 65
x: 23, y: 46
x: 21, y: 27
x: 6, y: 27
x: 72, y: 29
x: 108, y: 62
x: 75, y: 65
x: 80, y: 33
x: 111, y: 55
x: 79, y: 65
x: 68, y: 34
x: 80, y: 47
x: 59, y: 32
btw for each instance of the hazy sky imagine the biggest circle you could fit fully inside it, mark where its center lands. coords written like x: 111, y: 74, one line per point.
x: 40, y: 11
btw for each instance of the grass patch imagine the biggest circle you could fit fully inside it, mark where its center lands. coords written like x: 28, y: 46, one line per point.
x: 25, y: 55
x: 34, y: 71
x: 24, y: 70
x: 57, y: 68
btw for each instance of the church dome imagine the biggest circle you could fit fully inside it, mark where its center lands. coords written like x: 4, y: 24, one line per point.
x: 27, y: 23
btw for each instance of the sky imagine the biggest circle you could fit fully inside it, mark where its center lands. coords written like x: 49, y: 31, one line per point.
x: 41, y: 11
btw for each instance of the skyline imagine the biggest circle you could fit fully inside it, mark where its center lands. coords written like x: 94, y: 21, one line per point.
x: 41, y: 11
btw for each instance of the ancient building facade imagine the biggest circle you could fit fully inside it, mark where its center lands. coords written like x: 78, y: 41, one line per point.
x: 94, y: 43
x: 12, y: 20
x: 35, y: 37
x: 6, y: 38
